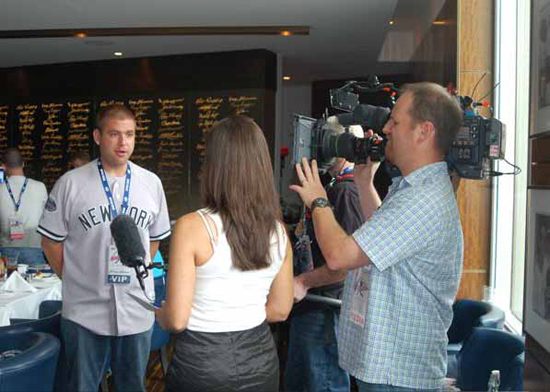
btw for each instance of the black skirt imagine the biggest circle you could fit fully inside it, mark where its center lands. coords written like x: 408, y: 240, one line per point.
x: 224, y: 362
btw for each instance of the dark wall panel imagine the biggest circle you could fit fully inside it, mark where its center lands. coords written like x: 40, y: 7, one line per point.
x: 48, y: 111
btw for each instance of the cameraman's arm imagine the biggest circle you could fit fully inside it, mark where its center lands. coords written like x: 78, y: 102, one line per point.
x: 318, y: 277
x: 370, y: 200
x: 363, y: 175
x: 339, y: 249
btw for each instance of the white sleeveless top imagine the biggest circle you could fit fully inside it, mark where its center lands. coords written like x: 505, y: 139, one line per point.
x: 225, y: 298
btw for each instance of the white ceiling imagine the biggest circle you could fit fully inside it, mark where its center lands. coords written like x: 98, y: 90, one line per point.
x: 345, y: 40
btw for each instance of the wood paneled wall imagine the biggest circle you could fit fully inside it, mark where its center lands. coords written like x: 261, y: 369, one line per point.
x: 435, y: 59
x: 475, y: 58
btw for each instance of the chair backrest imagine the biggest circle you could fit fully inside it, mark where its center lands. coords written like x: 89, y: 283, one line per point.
x: 490, y: 349
x: 49, y: 307
x: 50, y: 324
x: 468, y: 314
x: 33, y: 367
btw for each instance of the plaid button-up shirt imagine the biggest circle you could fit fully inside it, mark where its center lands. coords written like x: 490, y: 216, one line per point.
x: 415, y: 243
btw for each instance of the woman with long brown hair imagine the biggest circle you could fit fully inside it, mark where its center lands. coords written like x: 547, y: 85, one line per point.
x: 230, y: 270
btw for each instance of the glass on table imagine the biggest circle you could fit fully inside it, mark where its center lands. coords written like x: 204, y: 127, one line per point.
x: 22, y: 270
x: 11, y: 264
x: 2, y: 267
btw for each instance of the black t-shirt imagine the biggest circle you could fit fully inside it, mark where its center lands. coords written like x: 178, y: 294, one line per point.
x: 344, y: 198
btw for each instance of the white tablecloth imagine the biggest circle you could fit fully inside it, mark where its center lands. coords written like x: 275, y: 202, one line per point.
x: 26, y: 305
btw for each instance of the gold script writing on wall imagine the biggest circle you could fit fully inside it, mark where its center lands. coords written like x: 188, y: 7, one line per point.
x: 144, y: 111
x: 78, y: 119
x: 4, y: 112
x: 171, y: 139
x: 208, y: 114
x: 26, y: 119
x: 52, y: 153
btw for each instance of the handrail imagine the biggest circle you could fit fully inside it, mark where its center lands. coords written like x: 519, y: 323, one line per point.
x: 323, y: 300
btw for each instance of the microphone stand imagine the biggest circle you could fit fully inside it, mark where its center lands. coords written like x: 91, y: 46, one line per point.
x: 142, y: 270
x: 324, y: 300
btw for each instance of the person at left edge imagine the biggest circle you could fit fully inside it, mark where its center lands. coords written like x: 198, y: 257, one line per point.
x: 99, y: 318
x: 22, y: 201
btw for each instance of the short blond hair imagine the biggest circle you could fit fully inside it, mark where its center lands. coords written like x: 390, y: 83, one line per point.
x: 114, y: 111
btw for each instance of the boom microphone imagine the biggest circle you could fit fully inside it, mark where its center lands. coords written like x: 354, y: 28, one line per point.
x: 130, y: 248
x: 345, y: 119
x: 373, y: 117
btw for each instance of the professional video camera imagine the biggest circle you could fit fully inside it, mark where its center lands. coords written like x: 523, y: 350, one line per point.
x: 478, y: 142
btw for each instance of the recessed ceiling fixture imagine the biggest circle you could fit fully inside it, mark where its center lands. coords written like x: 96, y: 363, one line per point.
x: 286, y: 77
x: 157, y: 31
x: 118, y: 54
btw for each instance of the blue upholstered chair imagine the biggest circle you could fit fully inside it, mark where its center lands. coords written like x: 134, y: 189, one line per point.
x: 490, y: 349
x: 468, y: 314
x: 49, y: 307
x: 28, y: 361
x: 160, y: 337
x: 48, y: 324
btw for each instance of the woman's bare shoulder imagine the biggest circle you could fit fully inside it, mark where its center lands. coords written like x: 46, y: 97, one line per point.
x: 191, y: 222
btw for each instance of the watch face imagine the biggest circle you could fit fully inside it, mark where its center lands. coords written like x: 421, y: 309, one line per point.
x: 320, y: 202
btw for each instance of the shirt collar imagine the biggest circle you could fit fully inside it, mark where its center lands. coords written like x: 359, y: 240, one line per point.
x: 419, y: 175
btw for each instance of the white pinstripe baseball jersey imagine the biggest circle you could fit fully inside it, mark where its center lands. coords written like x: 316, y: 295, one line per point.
x: 77, y: 213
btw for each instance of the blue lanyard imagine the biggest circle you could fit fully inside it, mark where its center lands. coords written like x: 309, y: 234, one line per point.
x: 107, y: 189
x: 347, y: 170
x: 17, y: 203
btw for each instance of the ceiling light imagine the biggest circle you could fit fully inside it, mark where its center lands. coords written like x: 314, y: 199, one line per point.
x: 118, y: 54
x: 286, y: 77
x: 286, y: 33
x: 80, y: 35
x: 440, y: 22
x: 391, y: 22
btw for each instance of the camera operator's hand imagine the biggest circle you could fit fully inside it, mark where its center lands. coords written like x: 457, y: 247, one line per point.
x: 311, y: 187
x: 364, y: 174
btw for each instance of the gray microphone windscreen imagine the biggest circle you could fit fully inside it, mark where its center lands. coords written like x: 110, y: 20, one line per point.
x: 127, y: 240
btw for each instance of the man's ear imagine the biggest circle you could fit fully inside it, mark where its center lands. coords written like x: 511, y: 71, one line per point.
x: 97, y: 136
x: 427, y: 132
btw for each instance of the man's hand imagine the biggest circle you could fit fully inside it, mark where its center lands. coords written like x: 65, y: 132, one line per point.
x: 311, y: 187
x: 364, y: 174
x: 300, y: 289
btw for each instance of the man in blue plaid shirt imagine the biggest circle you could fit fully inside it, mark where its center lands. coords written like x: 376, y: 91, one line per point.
x: 405, y: 261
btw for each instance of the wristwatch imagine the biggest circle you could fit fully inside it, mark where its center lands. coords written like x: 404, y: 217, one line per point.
x: 319, y: 202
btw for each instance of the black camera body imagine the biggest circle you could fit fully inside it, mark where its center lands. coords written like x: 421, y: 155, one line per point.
x: 354, y: 149
x: 478, y: 142
x: 316, y: 139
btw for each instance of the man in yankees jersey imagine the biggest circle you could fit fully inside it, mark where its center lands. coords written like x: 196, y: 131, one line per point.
x: 100, y: 320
